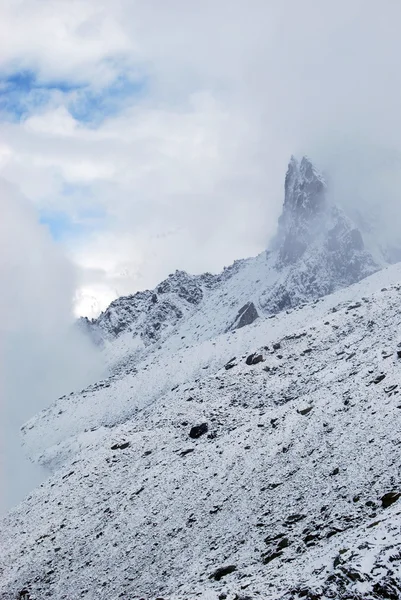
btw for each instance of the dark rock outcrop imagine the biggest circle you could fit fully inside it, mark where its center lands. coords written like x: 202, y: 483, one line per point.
x: 245, y: 316
x: 198, y: 430
x: 389, y: 498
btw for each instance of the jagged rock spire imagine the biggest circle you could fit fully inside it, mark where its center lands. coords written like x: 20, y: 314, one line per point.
x: 304, y: 203
x: 305, y: 191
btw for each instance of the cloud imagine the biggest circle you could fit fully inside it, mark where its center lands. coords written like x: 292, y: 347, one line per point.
x: 175, y: 123
x: 42, y: 354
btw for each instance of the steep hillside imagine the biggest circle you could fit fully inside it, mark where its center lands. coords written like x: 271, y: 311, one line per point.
x: 246, y: 442
x: 263, y: 463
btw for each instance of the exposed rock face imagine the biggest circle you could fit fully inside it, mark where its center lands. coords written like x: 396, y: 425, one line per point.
x: 152, y: 313
x: 304, y: 207
x: 246, y: 315
x: 317, y: 248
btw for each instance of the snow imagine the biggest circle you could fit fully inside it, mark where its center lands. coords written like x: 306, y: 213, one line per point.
x: 151, y: 521
x: 286, y: 484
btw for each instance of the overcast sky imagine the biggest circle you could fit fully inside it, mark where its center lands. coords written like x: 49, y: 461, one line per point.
x: 154, y: 135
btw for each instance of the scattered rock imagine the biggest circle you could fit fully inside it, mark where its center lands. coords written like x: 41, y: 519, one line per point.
x: 305, y: 411
x: 379, y: 378
x: 295, y: 518
x: 271, y: 556
x: 121, y: 446
x: 230, y: 364
x: 276, y: 346
x: 185, y: 452
x: 222, y: 572
x: 259, y: 358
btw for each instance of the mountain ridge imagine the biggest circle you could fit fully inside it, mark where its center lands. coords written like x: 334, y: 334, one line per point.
x: 317, y: 249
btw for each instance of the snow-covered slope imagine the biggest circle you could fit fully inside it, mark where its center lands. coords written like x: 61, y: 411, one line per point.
x: 246, y: 443
x: 285, y: 487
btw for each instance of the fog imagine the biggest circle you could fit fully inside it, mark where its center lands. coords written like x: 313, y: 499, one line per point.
x: 42, y: 355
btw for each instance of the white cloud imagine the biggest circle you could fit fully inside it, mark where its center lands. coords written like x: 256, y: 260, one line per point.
x: 190, y: 173
x: 42, y: 355
x: 73, y: 39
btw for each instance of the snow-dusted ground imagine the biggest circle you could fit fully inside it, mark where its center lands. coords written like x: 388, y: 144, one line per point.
x: 290, y: 499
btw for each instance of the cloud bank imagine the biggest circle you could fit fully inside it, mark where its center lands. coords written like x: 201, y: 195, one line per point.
x: 155, y: 136
x: 42, y: 355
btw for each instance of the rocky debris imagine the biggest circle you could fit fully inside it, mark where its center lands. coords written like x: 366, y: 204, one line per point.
x: 291, y: 519
x: 354, y: 306
x: 387, y: 589
x: 254, y: 359
x: 276, y: 346
x: 246, y: 315
x: 389, y: 498
x: 269, y: 556
x: 230, y: 364
x: 187, y: 451
x: 305, y: 411
x: 379, y: 378
x: 120, y: 446
x: 222, y: 572
x: 197, y: 430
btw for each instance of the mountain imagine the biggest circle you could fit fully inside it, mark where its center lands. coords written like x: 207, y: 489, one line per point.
x: 317, y: 250
x: 247, y: 449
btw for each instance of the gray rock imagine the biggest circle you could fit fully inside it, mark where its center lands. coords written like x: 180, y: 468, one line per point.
x: 198, y: 430
x: 245, y: 316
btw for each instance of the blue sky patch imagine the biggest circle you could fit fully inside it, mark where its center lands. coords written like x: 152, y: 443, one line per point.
x: 22, y: 93
x: 92, y: 107
x: 63, y: 226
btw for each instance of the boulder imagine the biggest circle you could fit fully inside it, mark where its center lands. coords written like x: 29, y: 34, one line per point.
x: 389, y: 498
x: 222, y: 572
x: 246, y: 315
x: 198, y: 430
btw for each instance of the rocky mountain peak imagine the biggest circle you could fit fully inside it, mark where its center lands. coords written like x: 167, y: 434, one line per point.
x: 317, y: 250
x: 304, y: 205
x: 305, y: 190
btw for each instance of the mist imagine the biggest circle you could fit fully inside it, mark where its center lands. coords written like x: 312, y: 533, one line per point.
x: 42, y: 354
